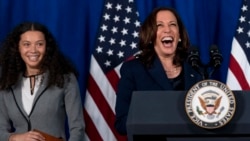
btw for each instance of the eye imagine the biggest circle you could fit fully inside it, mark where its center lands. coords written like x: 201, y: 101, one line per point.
x: 159, y: 25
x: 26, y: 44
x: 173, y: 24
x: 40, y: 44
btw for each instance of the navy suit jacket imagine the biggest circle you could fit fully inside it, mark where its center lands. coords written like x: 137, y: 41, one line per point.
x: 136, y: 77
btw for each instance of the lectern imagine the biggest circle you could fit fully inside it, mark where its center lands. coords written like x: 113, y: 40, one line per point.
x: 160, y: 115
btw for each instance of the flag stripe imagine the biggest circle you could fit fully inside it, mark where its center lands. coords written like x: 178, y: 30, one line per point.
x: 232, y: 81
x: 102, y: 83
x: 96, y: 89
x: 113, y: 79
x: 238, y: 77
x: 116, y: 42
x: 90, y: 129
x: 98, y: 119
x: 239, y: 55
x: 101, y: 103
x: 239, y: 67
x: 237, y: 71
x: 105, y: 111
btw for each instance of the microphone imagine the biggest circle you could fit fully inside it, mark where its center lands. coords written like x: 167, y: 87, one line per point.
x: 215, y: 57
x: 194, y: 58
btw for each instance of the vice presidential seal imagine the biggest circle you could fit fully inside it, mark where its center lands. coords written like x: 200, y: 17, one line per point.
x: 210, y: 104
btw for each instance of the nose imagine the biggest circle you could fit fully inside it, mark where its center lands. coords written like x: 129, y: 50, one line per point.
x: 33, y: 48
x: 167, y: 29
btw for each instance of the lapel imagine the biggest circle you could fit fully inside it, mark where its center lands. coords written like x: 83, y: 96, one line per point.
x: 190, y: 76
x: 158, y: 74
x: 42, y: 87
x: 17, y: 94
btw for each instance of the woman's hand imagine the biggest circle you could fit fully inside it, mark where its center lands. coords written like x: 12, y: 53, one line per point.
x: 28, y: 136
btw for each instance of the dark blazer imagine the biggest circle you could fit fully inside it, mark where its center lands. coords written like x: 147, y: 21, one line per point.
x: 135, y: 77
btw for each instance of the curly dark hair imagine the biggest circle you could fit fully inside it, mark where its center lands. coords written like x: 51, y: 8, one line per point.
x: 147, y: 36
x: 12, y: 64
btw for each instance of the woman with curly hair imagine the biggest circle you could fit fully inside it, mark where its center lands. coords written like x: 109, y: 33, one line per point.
x: 39, y: 91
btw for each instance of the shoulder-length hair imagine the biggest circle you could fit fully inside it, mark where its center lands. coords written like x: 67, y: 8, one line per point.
x: 147, y: 37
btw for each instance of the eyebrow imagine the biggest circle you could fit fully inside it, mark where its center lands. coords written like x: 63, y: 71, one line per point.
x: 41, y: 40
x: 29, y: 41
x: 169, y: 21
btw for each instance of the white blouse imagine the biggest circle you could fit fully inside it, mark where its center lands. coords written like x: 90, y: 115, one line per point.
x: 27, y: 97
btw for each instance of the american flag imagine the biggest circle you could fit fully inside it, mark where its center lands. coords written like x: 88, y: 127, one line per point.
x: 117, y: 41
x: 238, y: 77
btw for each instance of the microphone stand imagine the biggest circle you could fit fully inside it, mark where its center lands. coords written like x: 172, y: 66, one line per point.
x: 204, y: 73
x: 203, y: 69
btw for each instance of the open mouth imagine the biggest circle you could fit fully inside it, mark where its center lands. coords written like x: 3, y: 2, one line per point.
x: 33, y: 57
x: 167, y: 40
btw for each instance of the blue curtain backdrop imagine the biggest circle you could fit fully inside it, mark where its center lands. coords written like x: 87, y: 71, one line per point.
x: 75, y: 23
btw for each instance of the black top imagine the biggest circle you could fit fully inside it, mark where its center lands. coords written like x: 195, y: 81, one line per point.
x: 178, y: 82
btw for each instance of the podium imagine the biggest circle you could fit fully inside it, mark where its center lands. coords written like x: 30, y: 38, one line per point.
x: 161, y: 115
